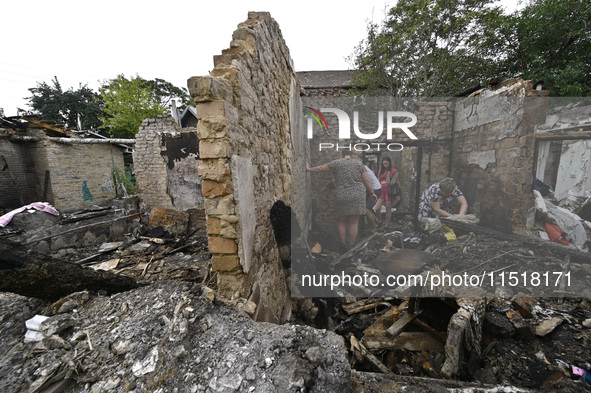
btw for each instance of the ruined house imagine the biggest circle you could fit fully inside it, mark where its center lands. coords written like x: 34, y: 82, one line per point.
x: 165, y: 158
x: 253, y: 148
x: 249, y: 151
x: 490, y: 142
x: 250, y: 148
x: 41, y: 162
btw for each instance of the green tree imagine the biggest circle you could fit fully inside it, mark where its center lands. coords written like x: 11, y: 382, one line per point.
x: 550, y: 40
x: 50, y: 102
x: 165, y: 92
x: 429, y: 48
x: 127, y: 102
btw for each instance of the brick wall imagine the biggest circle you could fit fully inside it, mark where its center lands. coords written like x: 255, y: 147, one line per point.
x: 249, y: 120
x: 493, y: 157
x: 71, y: 176
x: 18, y: 180
x: 165, y: 159
x: 79, y: 175
x: 419, y: 163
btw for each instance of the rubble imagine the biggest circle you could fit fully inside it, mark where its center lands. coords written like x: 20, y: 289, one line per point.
x: 180, y: 334
x: 494, y: 340
x: 166, y: 337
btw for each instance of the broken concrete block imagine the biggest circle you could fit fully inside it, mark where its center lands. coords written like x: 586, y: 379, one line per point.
x: 208, y: 293
x: 587, y: 323
x: 35, y: 322
x: 547, y: 326
x: 498, y: 324
x: 33, y: 336
x: 521, y: 326
x: 525, y: 306
x: 248, y: 306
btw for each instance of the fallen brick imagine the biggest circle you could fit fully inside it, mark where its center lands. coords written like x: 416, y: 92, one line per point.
x: 525, y: 306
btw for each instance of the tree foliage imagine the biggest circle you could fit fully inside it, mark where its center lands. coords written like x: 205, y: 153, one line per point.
x: 550, y: 40
x: 440, y: 47
x: 127, y: 102
x: 428, y: 47
x: 117, y: 110
x: 50, y: 102
x: 165, y: 92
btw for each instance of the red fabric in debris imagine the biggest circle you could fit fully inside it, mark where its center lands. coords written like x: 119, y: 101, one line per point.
x: 556, y: 234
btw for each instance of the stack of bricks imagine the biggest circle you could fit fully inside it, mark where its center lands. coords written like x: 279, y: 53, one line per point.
x: 214, y: 169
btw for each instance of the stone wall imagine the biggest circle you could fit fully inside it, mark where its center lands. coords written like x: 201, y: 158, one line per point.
x: 493, y: 157
x: 165, y: 159
x: 69, y: 176
x: 79, y: 175
x: 419, y: 162
x: 249, y: 117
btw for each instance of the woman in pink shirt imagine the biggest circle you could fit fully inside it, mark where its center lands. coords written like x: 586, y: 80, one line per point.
x: 387, y: 176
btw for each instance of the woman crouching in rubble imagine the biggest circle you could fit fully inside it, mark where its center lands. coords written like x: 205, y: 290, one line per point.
x: 350, y: 178
x: 436, y: 200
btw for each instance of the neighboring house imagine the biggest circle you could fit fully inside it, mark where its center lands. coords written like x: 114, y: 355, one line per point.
x: 40, y: 162
x: 186, y: 119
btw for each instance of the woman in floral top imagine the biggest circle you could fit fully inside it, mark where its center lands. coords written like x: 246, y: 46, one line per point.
x: 351, y: 180
x: 436, y: 200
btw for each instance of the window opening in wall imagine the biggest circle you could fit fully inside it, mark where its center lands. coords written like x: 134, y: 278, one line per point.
x: 372, y: 161
x: 563, y: 167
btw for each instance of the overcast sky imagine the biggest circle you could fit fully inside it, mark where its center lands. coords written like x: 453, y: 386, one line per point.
x: 88, y: 42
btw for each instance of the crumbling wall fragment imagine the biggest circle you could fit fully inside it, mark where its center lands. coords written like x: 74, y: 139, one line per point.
x: 165, y: 161
x: 493, y: 152
x: 248, y: 111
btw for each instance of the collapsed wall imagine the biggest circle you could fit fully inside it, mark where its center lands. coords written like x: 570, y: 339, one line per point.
x: 249, y: 121
x: 486, y: 142
x: 493, y: 156
x: 165, y: 158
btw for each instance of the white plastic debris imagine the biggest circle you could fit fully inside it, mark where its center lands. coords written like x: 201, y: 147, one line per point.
x: 33, y: 334
x: 35, y: 322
